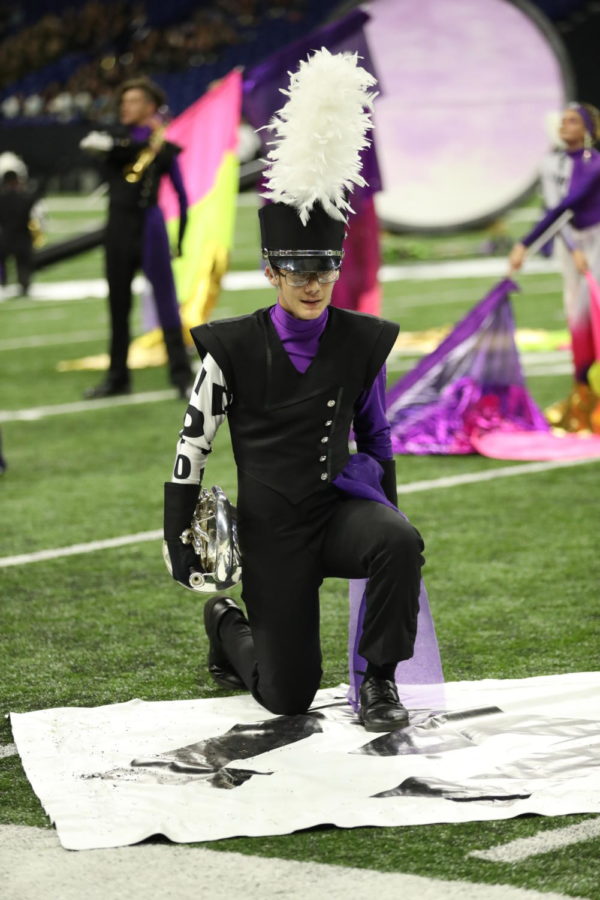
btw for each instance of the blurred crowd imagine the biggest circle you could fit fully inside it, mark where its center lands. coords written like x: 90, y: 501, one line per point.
x: 100, y: 44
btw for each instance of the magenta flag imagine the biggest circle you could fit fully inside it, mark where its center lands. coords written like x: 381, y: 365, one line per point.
x: 358, y: 286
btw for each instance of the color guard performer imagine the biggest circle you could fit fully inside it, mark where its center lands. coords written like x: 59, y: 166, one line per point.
x: 572, y: 178
x: 136, y: 157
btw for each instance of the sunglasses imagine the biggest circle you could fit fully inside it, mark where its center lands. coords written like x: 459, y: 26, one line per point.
x: 300, y: 279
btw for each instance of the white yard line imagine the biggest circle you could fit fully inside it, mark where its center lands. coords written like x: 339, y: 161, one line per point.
x: 59, y: 409
x: 7, y: 750
x: 76, y: 549
x: 414, y: 487
x: 34, y: 864
x: 67, y: 290
x: 49, y: 340
x: 76, y: 204
x: 435, y: 298
x: 536, y: 357
x: 542, y: 842
x: 484, y: 267
x: 501, y: 472
x: 253, y: 279
x: 36, y: 413
x: 565, y: 368
x: 491, y: 266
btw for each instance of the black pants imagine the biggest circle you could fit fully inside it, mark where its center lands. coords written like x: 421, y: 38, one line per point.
x: 137, y: 239
x: 287, y: 551
x: 21, y: 250
x: 123, y: 254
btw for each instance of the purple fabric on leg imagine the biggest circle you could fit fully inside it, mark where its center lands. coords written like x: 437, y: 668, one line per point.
x: 472, y: 382
x: 156, y: 265
x: 159, y: 312
x: 360, y: 478
x: 424, y: 667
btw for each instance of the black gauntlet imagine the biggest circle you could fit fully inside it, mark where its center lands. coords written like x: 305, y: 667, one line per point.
x: 388, y: 480
x: 180, y: 503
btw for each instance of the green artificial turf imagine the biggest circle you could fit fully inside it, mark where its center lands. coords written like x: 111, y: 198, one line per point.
x: 512, y: 564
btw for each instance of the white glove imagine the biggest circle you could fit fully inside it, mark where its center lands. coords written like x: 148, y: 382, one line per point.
x: 97, y: 142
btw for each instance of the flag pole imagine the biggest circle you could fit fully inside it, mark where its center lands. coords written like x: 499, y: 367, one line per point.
x: 550, y: 232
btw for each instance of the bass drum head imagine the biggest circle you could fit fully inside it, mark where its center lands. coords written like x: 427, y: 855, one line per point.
x: 467, y: 91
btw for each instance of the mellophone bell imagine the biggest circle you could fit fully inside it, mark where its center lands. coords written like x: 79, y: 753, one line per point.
x: 212, y: 533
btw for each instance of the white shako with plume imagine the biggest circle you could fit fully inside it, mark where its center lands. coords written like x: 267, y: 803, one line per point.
x: 315, y: 161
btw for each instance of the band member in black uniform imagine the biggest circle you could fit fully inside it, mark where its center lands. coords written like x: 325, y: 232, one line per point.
x: 17, y: 200
x: 136, y: 157
x: 293, y: 379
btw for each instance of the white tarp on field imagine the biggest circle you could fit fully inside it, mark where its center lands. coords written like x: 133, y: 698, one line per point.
x: 199, y: 770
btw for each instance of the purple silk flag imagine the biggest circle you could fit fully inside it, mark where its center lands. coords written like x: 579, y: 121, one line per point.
x: 263, y: 83
x: 471, y: 384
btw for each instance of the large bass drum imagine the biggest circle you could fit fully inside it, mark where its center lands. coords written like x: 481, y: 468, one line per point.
x: 468, y: 92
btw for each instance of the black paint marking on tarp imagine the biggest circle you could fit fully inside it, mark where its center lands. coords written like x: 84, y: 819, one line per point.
x: 208, y: 759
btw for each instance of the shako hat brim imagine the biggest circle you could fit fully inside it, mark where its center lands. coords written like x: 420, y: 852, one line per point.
x: 313, y: 247
x: 316, y: 263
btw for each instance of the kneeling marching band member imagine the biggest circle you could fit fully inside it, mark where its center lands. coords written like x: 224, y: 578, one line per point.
x: 293, y: 379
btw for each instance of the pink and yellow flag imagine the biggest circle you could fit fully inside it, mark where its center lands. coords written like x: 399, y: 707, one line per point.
x: 207, y: 130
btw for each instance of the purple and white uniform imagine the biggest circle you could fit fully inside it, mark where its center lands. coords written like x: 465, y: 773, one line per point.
x: 580, y: 188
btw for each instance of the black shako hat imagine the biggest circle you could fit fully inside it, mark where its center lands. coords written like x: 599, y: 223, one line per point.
x: 290, y: 245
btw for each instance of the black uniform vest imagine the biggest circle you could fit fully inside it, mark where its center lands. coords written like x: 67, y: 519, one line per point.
x: 138, y: 195
x: 290, y: 430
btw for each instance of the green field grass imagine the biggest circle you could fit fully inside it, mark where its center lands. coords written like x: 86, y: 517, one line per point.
x: 512, y: 564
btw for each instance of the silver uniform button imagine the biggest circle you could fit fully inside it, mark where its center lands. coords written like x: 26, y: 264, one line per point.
x: 328, y: 423
x: 324, y: 439
x: 324, y: 476
x: 331, y: 403
x: 322, y: 458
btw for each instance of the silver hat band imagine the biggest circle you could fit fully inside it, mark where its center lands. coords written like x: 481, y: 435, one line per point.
x: 266, y: 253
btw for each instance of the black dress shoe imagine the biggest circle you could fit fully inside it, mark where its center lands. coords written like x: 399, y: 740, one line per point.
x: 218, y: 665
x: 106, y: 389
x: 380, y: 706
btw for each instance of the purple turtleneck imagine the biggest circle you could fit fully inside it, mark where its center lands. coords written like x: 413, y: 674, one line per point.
x: 583, y: 196
x: 300, y: 337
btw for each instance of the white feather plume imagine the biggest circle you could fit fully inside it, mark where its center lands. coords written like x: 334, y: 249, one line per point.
x: 319, y: 133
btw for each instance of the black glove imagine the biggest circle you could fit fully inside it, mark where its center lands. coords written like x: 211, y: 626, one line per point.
x: 388, y: 480
x: 180, y: 503
x: 181, y: 233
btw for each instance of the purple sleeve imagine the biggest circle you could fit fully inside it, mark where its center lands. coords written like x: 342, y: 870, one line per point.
x: 570, y: 201
x: 179, y: 187
x: 371, y: 427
